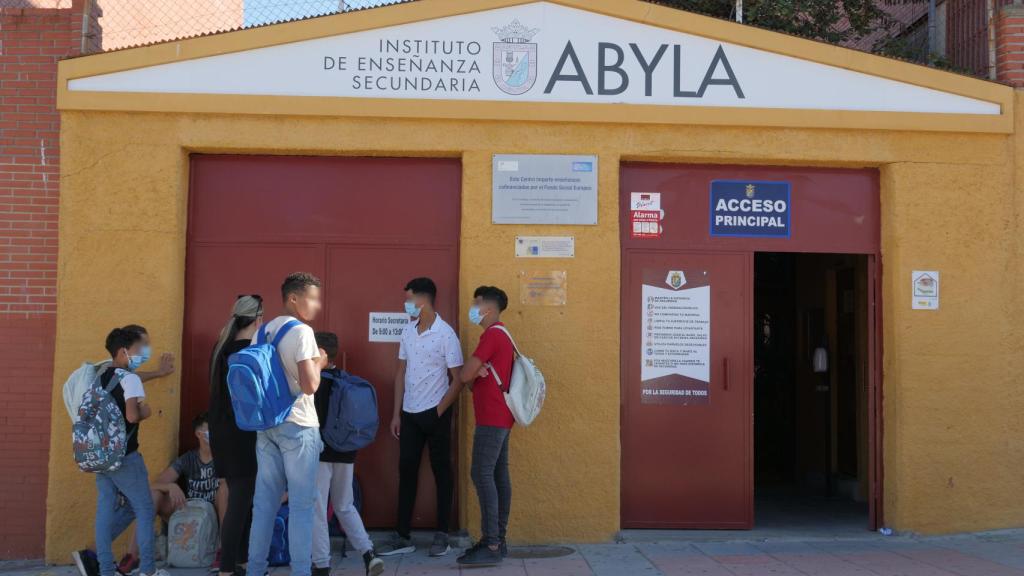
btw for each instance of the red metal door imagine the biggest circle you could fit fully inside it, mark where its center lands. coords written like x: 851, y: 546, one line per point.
x: 363, y: 225
x: 686, y: 459
x: 370, y: 279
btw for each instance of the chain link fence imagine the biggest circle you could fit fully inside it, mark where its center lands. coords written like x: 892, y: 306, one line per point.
x: 115, y: 24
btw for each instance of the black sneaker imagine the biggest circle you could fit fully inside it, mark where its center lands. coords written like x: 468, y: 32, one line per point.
x: 396, y: 545
x: 480, y: 555
x: 321, y: 571
x: 503, y: 548
x: 374, y: 565
x: 86, y: 562
x: 440, y: 546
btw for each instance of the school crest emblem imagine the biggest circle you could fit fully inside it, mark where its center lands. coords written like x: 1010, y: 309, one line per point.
x: 676, y: 279
x: 515, y: 58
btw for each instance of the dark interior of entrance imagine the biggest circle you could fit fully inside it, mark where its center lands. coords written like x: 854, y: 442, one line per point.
x: 811, y: 377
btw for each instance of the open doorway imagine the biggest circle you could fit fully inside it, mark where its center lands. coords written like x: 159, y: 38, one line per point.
x: 811, y: 383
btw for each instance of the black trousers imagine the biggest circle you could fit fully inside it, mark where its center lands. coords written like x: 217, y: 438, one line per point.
x: 234, y: 532
x: 424, y: 428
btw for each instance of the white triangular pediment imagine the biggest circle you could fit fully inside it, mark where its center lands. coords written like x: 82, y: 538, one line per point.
x: 539, y: 52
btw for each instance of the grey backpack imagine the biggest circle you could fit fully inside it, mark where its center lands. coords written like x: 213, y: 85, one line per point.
x: 192, y: 535
x: 98, y: 437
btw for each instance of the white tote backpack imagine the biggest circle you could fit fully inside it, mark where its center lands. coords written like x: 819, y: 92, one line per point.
x: 78, y: 384
x: 526, y: 391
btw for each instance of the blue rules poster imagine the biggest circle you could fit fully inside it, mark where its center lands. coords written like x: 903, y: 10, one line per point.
x: 747, y: 208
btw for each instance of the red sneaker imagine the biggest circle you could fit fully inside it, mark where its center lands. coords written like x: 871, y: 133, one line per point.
x: 215, y: 567
x: 128, y: 565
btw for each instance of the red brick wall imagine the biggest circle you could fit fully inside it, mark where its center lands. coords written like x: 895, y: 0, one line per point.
x: 1010, y: 45
x: 32, y: 40
x: 26, y: 351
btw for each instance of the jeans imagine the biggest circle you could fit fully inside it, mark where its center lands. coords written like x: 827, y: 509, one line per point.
x: 131, y: 480
x: 491, y: 479
x: 287, y: 456
x: 424, y: 429
x: 234, y: 530
x: 334, y: 483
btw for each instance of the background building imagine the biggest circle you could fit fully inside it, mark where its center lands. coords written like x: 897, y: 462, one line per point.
x: 35, y: 35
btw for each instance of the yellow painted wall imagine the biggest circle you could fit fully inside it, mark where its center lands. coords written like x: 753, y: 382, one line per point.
x: 952, y: 378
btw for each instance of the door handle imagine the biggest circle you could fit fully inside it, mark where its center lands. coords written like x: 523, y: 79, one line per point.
x: 725, y: 373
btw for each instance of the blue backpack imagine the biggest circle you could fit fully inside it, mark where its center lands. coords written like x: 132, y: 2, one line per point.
x: 259, y: 389
x: 352, y: 418
x: 279, y: 555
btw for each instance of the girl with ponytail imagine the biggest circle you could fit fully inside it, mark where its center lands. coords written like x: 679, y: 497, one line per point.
x: 234, y: 450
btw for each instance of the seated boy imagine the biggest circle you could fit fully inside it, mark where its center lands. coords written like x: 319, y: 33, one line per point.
x: 334, y: 484
x: 193, y: 468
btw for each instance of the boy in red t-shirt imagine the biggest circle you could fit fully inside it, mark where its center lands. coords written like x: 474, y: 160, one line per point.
x: 494, y: 421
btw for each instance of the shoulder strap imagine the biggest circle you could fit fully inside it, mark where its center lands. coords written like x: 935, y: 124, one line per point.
x: 512, y: 340
x: 115, y: 378
x: 114, y: 381
x: 284, y: 330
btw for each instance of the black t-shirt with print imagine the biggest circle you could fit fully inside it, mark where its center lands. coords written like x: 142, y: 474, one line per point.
x: 200, y: 477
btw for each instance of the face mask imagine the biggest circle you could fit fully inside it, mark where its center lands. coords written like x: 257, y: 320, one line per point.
x: 205, y: 435
x: 475, y: 316
x: 134, y: 362
x: 411, y: 309
x: 145, y: 353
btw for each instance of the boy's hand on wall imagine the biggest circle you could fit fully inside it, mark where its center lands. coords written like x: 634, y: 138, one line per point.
x: 166, y: 364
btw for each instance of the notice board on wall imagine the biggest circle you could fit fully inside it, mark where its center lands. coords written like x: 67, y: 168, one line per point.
x: 676, y: 337
x: 544, y: 189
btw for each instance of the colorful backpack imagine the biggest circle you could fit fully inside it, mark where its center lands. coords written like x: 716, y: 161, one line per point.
x: 98, y: 437
x: 192, y: 535
x: 352, y: 418
x: 259, y: 389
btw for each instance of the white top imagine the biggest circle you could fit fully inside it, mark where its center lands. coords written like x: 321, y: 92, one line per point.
x: 298, y: 345
x: 428, y: 357
x: 131, y: 384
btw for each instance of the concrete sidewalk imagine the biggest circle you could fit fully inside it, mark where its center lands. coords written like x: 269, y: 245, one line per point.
x: 987, y: 554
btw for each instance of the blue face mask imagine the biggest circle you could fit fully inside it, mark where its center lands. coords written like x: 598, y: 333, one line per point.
x: 475, y: 316
x: 411, y: 309
x: 134, y: 362
x: 138, y: 360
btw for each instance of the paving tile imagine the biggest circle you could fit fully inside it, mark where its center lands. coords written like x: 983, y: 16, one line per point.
x: 685, y: 563
x: 617, y: 560
x: 672, y: 554
x: 1002, y: 553
x: 507, y: 568
x: 960, y: 563
x: 886, y: 563
x: 818, y: 563
x: 728, y: 548
x: 574, y: 565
